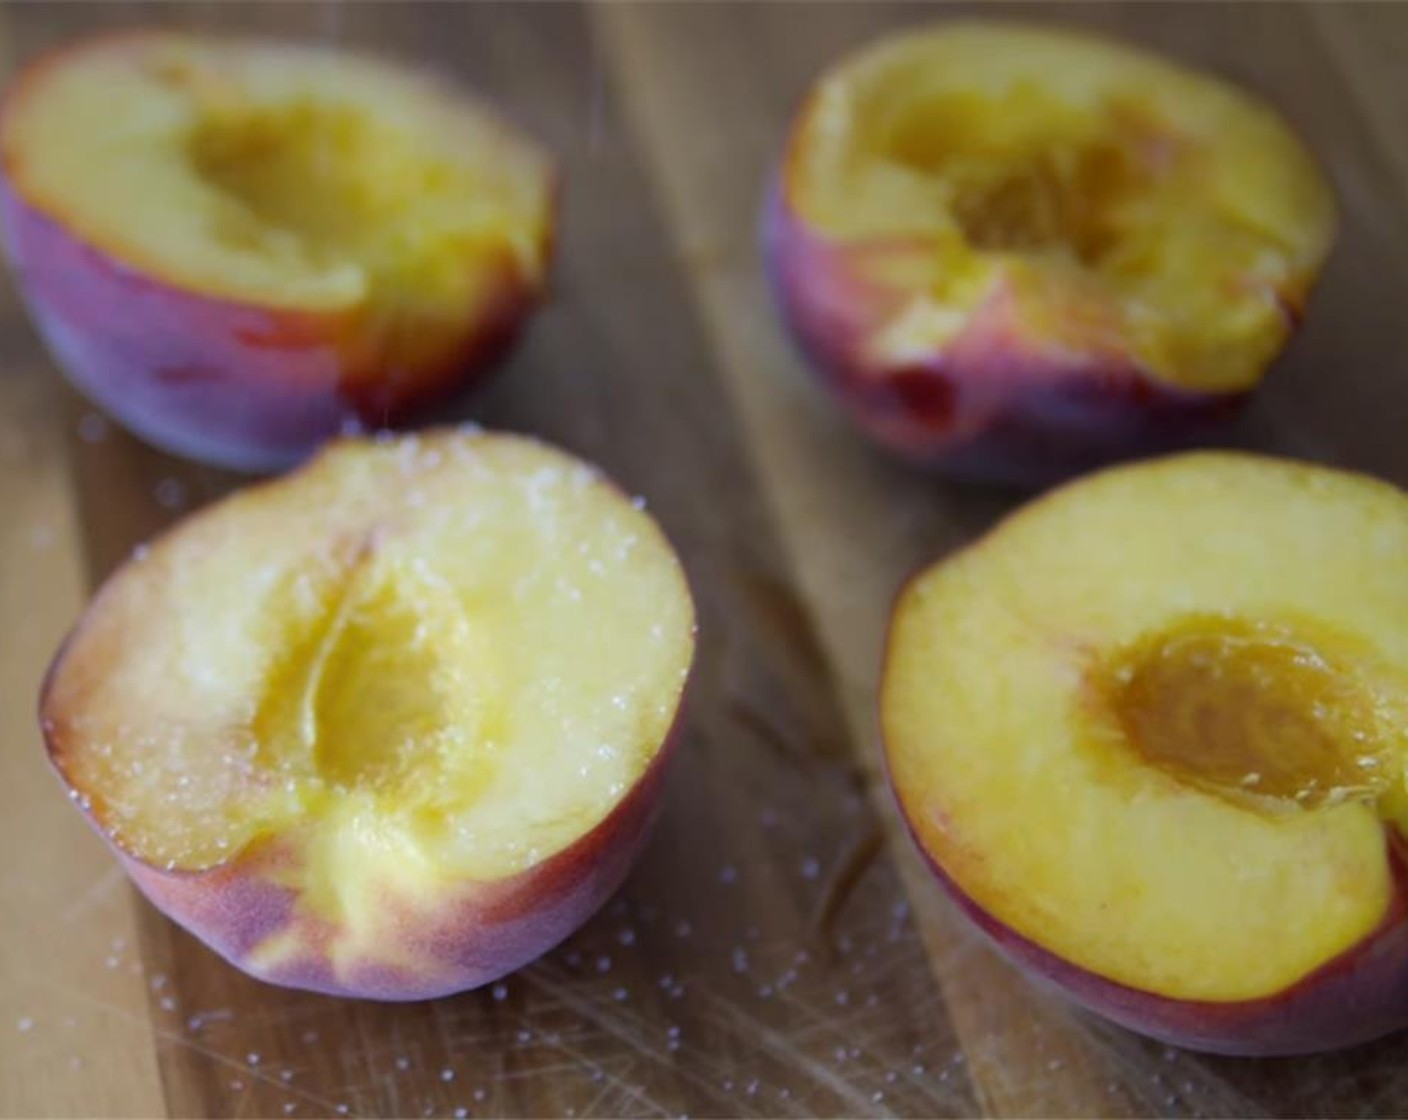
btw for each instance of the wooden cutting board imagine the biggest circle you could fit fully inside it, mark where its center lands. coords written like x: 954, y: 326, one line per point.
x: 779, y: 951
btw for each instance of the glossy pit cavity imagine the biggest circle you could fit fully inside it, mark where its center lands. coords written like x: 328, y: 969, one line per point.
x: 1023, y: 176
x: 387, y: 691
x: 1261, y: 716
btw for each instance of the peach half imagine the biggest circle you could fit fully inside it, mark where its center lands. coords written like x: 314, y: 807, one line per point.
x: 1014, y: 253
x: 239, y: 248
x: 391, y: 726
x: 1152, y: 734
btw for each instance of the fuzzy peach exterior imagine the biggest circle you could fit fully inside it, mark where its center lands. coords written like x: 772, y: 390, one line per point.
x: 237, y: 385
x: 417, y: 946
x: 1000, y: 400
x: 1356, y: 998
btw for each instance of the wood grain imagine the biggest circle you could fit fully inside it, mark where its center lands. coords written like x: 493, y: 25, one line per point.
x: 74, y: 1030
x: 779, y: 951
x: 72, y: 1008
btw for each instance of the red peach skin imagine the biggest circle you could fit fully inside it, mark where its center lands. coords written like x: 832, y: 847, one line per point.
x: 991, y: 405
x: 486, y: 931
x: 247, y: 387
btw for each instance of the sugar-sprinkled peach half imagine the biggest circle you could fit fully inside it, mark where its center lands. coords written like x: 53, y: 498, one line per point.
x: 391, y: 726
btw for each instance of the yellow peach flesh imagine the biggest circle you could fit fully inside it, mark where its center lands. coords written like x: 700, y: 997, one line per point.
x: 427, y: 663
x: 1050, y: 701
x: 1133, y: 208
x: 279, y: 175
